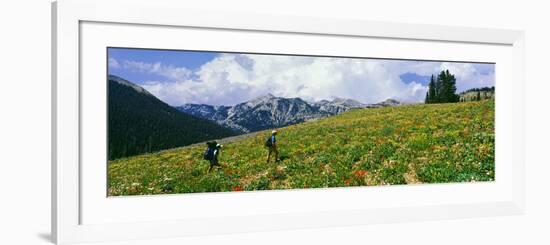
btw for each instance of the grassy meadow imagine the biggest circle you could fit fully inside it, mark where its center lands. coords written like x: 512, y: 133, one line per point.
x: 411, y: 144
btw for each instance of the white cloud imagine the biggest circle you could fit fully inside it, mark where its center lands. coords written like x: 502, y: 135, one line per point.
x: 470, y: 75
x: 113, y: 63
x: 167, y: 71
x: 234, y: 78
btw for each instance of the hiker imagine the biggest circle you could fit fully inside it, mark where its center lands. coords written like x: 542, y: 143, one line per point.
x: 271, y: 144
x: 211, y: 154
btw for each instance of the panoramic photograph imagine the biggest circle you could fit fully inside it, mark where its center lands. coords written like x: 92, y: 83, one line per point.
x: 183, y: 121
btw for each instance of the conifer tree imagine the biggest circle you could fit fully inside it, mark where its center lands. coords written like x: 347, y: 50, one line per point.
x: 442, y: 89
x: 447, y: 87
x: 431, y: 96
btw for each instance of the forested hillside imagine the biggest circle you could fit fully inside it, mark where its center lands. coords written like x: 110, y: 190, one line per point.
x: 477, y: 94
x: 139, y: 123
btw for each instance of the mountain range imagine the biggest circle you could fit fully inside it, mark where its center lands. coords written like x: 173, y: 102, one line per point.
x: 269, y: 111
x: 141, y: 123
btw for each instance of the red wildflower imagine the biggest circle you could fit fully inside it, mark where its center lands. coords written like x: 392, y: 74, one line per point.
x: 348, y: 182
x: 360, y: 173
x: 237, y: 188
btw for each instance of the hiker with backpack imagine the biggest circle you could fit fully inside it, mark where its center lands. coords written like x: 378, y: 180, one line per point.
x: 211, y: 154
x: 271, y: 144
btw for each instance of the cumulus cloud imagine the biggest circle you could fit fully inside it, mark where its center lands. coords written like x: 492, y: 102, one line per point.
x: 229, y: 79
x: 168, y: 71
x: 469, y: 75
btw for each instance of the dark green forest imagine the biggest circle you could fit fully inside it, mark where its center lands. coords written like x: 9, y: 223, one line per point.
x: 483, y: 89
x: 141, y: 123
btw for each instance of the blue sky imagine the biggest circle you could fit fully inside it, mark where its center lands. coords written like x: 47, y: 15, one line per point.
x: 409, y: 77
x: 180, y: 77
x: 189, y: 60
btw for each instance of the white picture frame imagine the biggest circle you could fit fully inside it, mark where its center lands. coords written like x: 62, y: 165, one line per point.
x: 68, y: 18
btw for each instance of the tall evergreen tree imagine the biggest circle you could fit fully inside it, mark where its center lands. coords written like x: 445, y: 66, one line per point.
x: 442, y: 89
x: 431, y: 96
x: 452, y: 87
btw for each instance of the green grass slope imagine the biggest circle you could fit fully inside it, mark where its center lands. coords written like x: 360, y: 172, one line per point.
x: 435, y: 143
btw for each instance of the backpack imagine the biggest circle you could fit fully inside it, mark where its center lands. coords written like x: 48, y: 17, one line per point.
x: 268, y: 142
x: 209, y: 153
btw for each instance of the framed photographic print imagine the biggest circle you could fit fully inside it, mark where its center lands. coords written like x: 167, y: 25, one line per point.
x: 172, y: 125
x: 204, y: 121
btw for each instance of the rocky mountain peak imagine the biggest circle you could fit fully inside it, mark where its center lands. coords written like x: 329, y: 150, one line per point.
x: 269, y: 111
